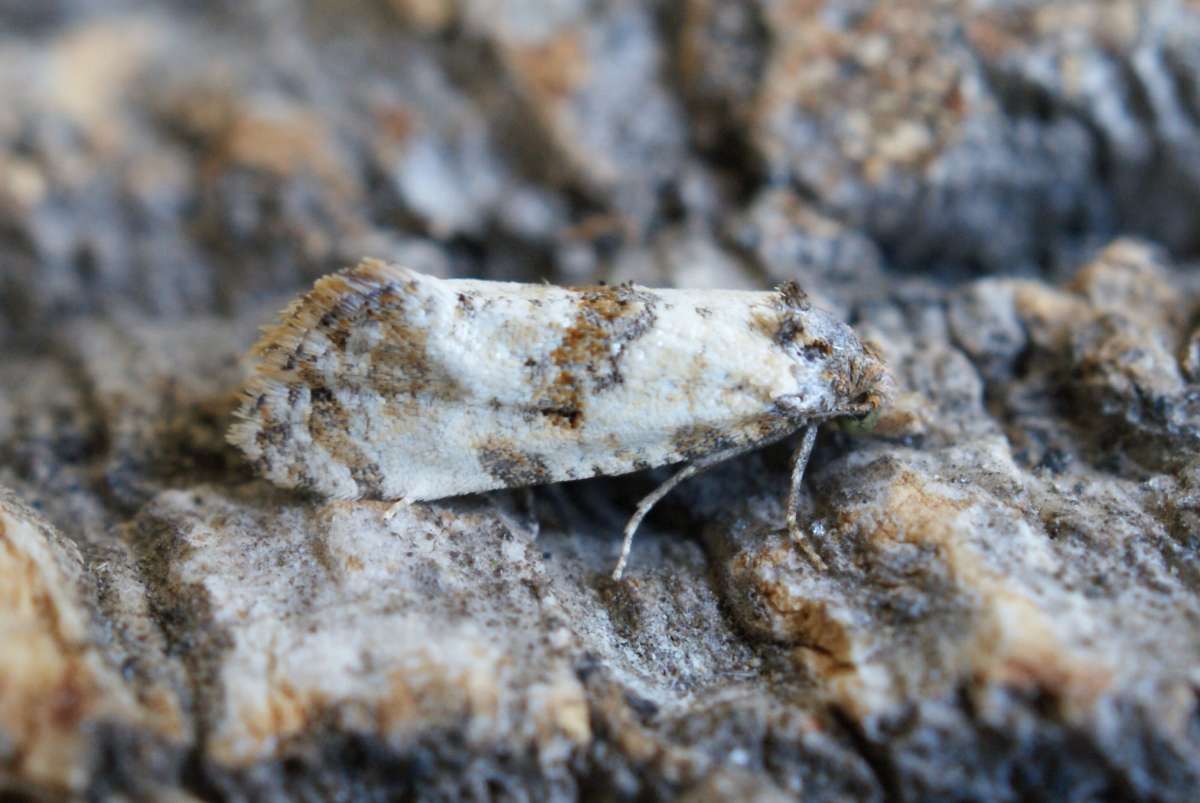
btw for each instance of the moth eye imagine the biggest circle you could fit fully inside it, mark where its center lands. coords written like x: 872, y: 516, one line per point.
x: 861, y: 423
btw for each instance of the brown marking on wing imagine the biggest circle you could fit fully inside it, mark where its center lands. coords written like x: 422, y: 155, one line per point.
x: 329, y: 424
x: 587, y: 358
x: 400, y: 363
x: 782, y: 319
x: 697, y: 440
x: 767, y: 427
x: 396, y: 366
x: 505, y: 462
x: 816, y: 349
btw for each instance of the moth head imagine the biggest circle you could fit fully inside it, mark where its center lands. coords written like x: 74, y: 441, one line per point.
x: 868, y: 388
x: 859, y: 423
x: 837, y: 374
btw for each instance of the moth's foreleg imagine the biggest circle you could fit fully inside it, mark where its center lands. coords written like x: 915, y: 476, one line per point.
x: 394, y: 509
x: 529, y: 502
x: 690, y: 470
x: 799, y: 464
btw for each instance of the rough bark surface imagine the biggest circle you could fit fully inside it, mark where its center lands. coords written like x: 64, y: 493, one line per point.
x: 1001, y: 196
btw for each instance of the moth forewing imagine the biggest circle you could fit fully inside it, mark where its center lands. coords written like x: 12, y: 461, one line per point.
x: 385, y: 383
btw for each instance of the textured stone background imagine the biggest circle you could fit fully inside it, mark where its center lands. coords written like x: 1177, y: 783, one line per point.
x: 1004, y: 195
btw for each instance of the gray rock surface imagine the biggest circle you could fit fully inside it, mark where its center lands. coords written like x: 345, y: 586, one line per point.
x: 1000, y: 196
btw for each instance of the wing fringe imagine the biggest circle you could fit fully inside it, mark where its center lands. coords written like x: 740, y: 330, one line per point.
x: 343, y: 292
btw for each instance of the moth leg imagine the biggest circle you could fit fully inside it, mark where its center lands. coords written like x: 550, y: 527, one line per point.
x: 690, y: 470
x: 394, y: 508
x: 799, y: 463
x: 531, y: 510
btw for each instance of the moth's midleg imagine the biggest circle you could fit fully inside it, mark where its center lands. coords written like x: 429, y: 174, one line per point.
x: 799, y: 464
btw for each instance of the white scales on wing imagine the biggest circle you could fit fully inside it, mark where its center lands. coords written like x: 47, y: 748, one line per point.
x: 389, y: 384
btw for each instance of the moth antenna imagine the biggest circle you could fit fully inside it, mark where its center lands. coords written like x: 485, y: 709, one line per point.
x: 687, y: 472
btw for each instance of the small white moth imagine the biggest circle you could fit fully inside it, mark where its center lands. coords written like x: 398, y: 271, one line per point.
x: 385, y: 383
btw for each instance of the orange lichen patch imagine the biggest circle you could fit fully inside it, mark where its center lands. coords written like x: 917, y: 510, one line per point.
x: 1050, y: 315
x: 900, y: 98
x: 53, y: 682
x: 597, y: 226
x: 442, y: 690
x: 1016, y: 645
x: 995, y: 36
x: 282, y: 712
x: 458, y: 686
x: 1189, y: 356
x: 553, y: 69
x: 1046, y: 666
x: 1008, y: 32
x: 917, y: 513
x: 792, y: 616
x: 1014, y: 636
x: 905, y: 415
x: 92, y: 67
x: 285, y: 142
x: 1126, y: 278
x: 394, y: 121
x: 426, y: 16
x: 632, y: 739
x: 46, y: 690
x: 560, y: 709
x: 266, y: 715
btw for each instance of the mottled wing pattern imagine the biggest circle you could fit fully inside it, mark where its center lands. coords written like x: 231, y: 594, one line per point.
x: 382, y: 382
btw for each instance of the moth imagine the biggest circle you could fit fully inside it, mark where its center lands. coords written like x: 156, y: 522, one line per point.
x: 389, y: 384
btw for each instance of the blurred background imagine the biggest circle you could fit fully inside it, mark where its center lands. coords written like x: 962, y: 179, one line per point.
x: 1002, y: 195
x: 177, y: 158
